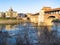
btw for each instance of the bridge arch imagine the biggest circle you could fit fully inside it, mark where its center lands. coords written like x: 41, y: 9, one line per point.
x: 51, y: 17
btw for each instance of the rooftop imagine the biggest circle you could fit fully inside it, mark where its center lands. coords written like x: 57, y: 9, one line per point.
x: 49, y: 9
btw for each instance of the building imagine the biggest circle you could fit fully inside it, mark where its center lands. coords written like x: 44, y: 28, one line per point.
x: 33, y: 17
x: 11, y: 14
x: 47, y: 14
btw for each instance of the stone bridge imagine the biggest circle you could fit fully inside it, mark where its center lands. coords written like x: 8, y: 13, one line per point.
x: 47, y: 15
x: 49, y: 18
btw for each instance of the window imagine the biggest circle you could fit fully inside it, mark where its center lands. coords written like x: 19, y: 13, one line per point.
x: 52, y: 12
x: 59, y: 12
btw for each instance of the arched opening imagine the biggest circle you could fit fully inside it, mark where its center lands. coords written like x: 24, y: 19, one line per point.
x: 28, y: 18
x: 51, y: 17
x: 25, y: 15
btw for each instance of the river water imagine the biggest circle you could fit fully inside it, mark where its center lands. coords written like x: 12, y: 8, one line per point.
x: 29, y: 34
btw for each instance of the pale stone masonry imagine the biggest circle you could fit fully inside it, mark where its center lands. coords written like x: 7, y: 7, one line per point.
x: 41, y: 16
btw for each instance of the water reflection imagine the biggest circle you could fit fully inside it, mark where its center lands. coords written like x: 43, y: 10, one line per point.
x: 8, y: 27
x: 28, y: 34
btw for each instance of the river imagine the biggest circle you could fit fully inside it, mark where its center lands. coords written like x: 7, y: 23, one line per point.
x: 29, y: 34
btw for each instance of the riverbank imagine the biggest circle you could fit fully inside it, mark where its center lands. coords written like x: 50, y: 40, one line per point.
x: 11, y: 21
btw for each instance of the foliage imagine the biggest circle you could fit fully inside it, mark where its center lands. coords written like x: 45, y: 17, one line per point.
x: 56, y: 20
x: 7, y: 18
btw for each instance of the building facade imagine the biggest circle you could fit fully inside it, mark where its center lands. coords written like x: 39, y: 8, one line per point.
x: 47, y: 14
x: 11, y: 14
x: 33, y: 17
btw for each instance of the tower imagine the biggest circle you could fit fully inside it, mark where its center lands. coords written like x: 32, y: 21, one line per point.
x: 41, y: 17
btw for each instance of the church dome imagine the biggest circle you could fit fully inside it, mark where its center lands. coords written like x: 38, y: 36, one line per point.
x: 10, y: 9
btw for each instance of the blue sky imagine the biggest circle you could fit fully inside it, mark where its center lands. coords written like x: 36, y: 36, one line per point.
x: 30, y: 6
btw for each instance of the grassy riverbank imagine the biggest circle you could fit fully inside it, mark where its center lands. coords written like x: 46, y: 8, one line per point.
x: 7, y: 18
x: 10, y: 21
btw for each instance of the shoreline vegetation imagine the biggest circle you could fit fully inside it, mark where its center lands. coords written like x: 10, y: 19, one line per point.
x: 10, y: 21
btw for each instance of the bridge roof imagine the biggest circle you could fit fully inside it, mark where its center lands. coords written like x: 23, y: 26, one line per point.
x: 52, y: 10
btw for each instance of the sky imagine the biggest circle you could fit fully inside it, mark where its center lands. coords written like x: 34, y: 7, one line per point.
x: 28, y: 6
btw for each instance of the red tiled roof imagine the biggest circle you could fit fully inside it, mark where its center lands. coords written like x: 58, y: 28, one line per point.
x: 56, y: 9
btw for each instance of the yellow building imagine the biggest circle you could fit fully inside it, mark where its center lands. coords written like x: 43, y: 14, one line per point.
x: 11, y: 14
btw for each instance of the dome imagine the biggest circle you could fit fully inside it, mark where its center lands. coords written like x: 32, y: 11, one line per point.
x: 10, y: 9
